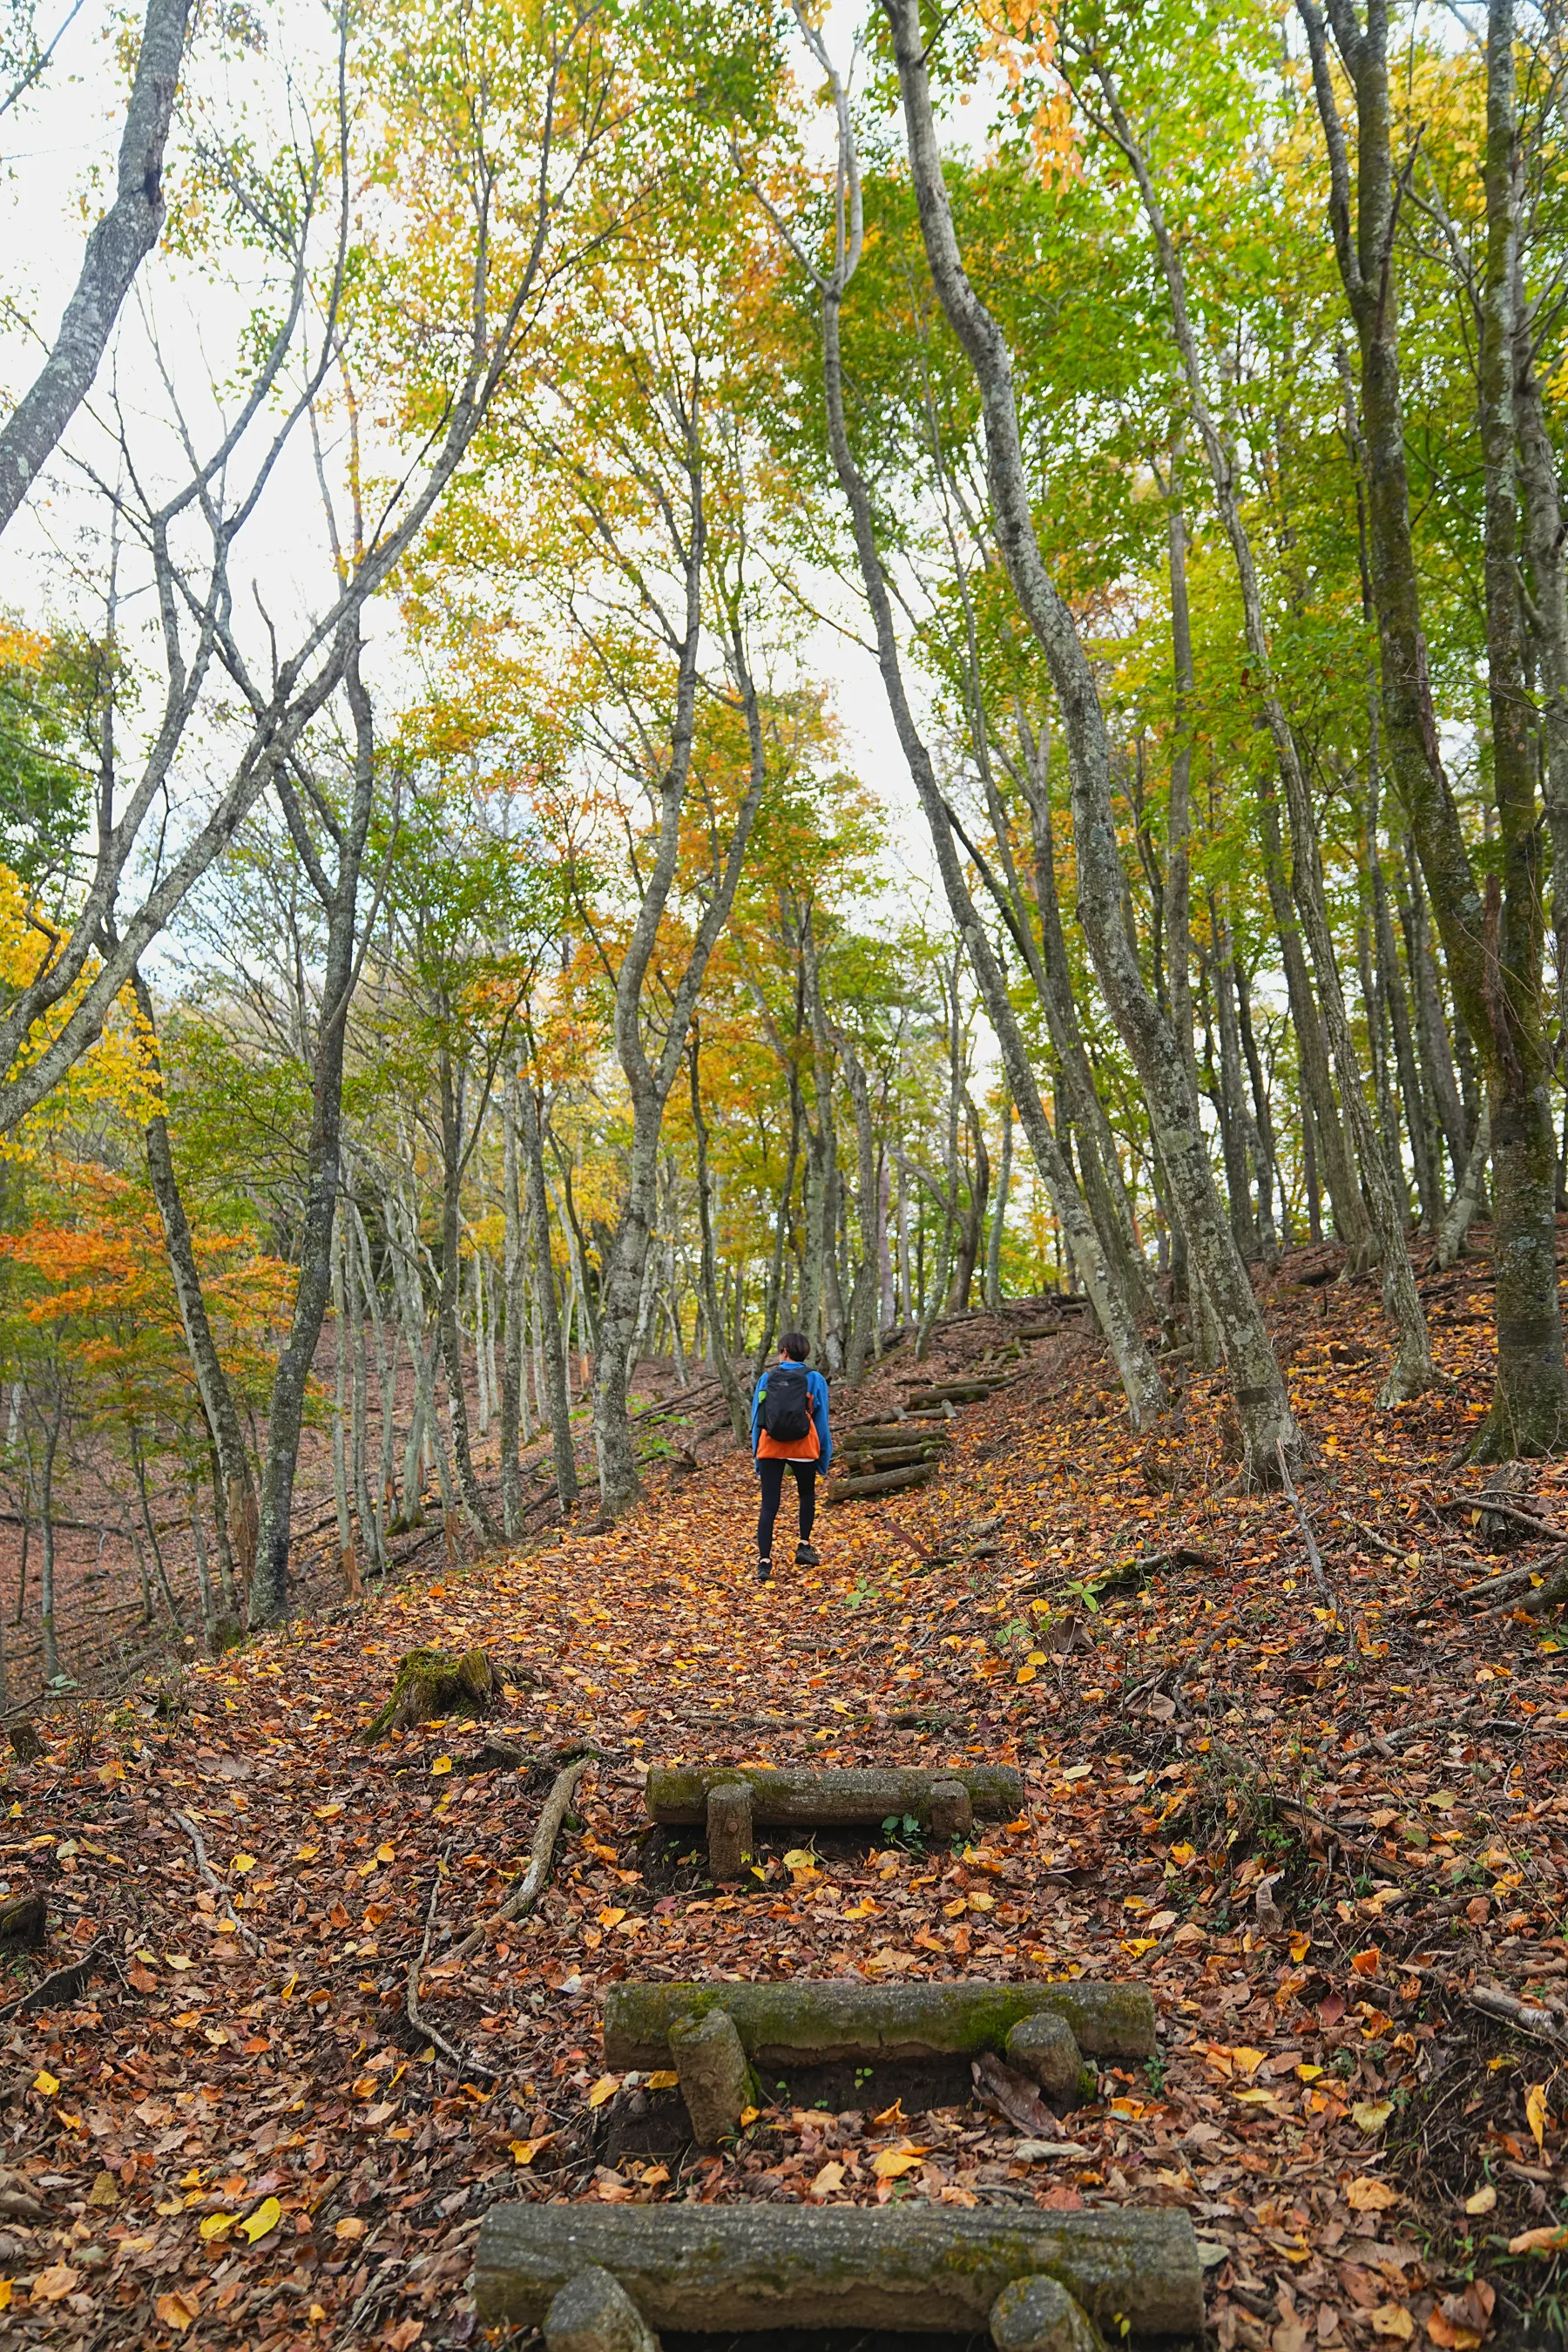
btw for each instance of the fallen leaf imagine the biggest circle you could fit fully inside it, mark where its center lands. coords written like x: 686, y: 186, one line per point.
x: 1371, y: 2115
x: 266, y: 2216
x: 1549, y: 2241
x: 525, y: 2151
x: 48, y: 2084
x: 351, y: 2226
x: 830, y: 2177
x: 51, y: 2284
x: 1535, y: 2113
x: 176, y: 2310
x: 1392, y: 2319
x: 1365, y: 1964
x: 605, y: 2088
x: 1483, y: 2201
x: 892, y: 2163
x: 664, y: 2079
x: 1368, y: 2196
x: 243, y: 1863
x: 442, y: 1764
x: 215, y: 2225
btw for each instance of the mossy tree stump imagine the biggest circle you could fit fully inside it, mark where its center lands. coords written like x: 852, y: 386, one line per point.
x: 429, y: 1683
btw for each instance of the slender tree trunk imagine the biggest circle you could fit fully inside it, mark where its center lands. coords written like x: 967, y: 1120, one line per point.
x: 532, y: 1134
x: 51, y: 1436
x: 451, y: 1081
x: 514, y: 1274
x: 999, y: 1214
x: 211, y: 1380
x: 717, y: 1352
x: 1268, y: 1429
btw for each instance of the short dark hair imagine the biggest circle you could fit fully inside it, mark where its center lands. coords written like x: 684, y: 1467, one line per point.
x: 795, y: 1346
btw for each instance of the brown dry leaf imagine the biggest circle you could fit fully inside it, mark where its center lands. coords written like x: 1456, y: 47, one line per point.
x: 178, y: 2308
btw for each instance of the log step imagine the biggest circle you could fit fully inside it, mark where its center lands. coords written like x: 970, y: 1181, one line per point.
x: 936, y: 2270
x: 794, y: 1797
x: 799, y: 2022
x: 880, y: 1481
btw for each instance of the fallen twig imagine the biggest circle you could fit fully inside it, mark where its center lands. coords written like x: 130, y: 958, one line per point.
x: 464, y: 2064
x: 521, y: 1899
x: 1494, y: 1506
x: 1313, y: 1555
x: 251, y: 1943
x: 64, y: 1984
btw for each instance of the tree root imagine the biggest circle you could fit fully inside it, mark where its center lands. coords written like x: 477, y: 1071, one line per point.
x: 521, y: 1900
x: 63, y: 1985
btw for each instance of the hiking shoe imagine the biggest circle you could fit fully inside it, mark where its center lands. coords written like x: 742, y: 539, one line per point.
x: 808, y: 1555
x: 764, y: 1571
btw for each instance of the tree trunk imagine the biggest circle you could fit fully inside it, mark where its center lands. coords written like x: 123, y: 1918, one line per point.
x: 718, y: 1352
x: 1262, y: 1406
x: 998, y: 1216
x: 269, y: 1590
x: 211, y: 1380
x: 1490, y: 933
x: 114, y: 251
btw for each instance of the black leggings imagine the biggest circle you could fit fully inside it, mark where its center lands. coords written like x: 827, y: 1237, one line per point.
x: 770, y: 1471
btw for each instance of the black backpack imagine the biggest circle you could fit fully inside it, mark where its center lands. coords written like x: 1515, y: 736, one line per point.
x: 786, y: 1403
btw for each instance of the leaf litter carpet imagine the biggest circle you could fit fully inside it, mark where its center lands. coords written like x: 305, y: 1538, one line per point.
x: 1319, y: 1813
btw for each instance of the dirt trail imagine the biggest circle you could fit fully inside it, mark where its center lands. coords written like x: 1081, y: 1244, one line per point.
x: 1320, y: 1824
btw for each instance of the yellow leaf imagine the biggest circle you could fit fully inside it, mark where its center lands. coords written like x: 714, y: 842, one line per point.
x: 178, y: 1962
x: 1307, y: 2074
x: 52, y: 2285
x: 442, y: 1764
x: 1392, y: 2319
x: 46, y: 2082
x: 351, y: 2226
x: 979, y: 1901
x: 830, y: 2177
x: 266, y: 2216
x: 1482, y: 2201
x: 1535, y: 2113
x: 1138, y: 1945
x: 5, y: 2284
x: 1256, y: 2098
x: 894, y: 2162
x: 243, y: 1863
x: 1248, y: 2061
x: 1371, y: 2115
x: 664, y: 2079
x: 1367, y: 2196
x: 1183, y: 1853
x: 525, y: 2151
x: 611, y: 1918
x: 177, y: 2311
x: 386, y: 1853
x: 605, y: 2088
x: 748, y: 2115
x: 216, y: 2224
x: 1300, y: 1946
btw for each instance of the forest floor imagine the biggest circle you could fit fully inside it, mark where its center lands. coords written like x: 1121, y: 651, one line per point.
x: 1319, y: 1816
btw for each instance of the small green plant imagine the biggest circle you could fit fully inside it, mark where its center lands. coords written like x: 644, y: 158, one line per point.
x: 1154, y: 2072
x: 905, y: 1830
x: 1084, y: 1595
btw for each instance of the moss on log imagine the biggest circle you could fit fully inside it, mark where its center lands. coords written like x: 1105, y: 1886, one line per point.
x: 931, y: 2271
x: 429, y: 1682
x: 797, y: 1797
x: 802, y: 2023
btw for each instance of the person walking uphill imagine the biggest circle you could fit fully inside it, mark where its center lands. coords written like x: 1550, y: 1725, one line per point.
x: 789, y: 1429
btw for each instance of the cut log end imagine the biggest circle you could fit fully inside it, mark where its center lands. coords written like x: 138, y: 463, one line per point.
x: 428, y: 1683
x: 716, y: 2082
x: 729, y: 1832
x: 593, y: 2313
x: 1035, y: 2314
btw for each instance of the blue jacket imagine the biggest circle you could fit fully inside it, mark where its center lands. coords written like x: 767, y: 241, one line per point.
x: 816, y: 1398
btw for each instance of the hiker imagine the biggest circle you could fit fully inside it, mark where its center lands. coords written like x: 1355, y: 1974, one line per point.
x: 789, y: 1425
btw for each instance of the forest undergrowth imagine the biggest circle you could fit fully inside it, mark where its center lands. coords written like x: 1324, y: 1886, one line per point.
x: 1317, y: 1808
